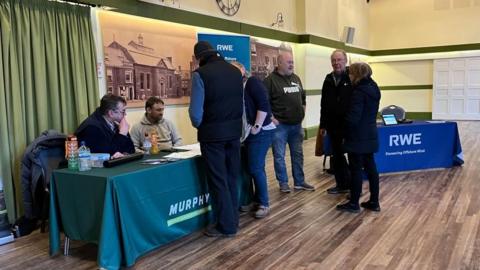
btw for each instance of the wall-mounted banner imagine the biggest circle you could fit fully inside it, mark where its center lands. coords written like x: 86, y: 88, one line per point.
x: 233, y: 48
x: 145, y: 58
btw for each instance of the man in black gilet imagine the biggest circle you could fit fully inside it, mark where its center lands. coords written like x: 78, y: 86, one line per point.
x: 216, y: 108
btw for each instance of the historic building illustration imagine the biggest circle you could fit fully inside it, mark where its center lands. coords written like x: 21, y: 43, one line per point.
x: 264, y: 57
x: 136, y: 71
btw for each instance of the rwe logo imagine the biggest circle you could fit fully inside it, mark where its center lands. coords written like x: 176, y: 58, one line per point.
x: 405, y: 139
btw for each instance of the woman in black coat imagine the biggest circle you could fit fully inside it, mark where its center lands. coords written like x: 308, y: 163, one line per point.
x: 361, y: 139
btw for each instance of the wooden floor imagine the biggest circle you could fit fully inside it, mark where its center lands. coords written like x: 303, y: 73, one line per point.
x: 429, y: 220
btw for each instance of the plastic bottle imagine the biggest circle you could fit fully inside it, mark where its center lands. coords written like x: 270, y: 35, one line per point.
x: 72, y: 152
x: 147, y: 144
x: 84, y: 157
x: 154, y: 141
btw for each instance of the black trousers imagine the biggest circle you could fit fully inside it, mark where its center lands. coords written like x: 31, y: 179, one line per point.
x: 223, y: 169
x: 340, y: 165
x: 358, y: 163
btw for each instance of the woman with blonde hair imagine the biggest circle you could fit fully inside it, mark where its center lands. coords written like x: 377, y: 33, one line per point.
x: 361, y: 139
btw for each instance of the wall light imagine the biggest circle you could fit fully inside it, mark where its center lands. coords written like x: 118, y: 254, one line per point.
x: 278, y: 21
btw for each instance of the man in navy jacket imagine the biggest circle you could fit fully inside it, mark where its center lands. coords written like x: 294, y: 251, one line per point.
x: 106, y: 130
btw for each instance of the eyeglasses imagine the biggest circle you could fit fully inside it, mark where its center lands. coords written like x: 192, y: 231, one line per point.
x: 120, y: 111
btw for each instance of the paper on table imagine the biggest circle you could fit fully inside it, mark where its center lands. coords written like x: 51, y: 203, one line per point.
x: 183, y: 155
x: 195, y: 146
x: 435, y: 121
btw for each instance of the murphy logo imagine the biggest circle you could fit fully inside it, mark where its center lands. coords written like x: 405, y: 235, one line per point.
x: 405, y: 139
x: 189, y: 208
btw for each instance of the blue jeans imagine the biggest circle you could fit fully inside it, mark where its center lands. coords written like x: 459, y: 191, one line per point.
x: 293, y: 135
x: 257, y: 147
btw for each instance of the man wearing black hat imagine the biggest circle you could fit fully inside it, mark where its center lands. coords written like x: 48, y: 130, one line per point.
x: 216, y: 108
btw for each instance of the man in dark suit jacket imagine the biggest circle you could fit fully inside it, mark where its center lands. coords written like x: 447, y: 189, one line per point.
x: 336, y: 92
x: 106, y: 130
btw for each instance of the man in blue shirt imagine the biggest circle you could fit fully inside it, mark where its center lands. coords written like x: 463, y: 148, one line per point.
x: 216, y: 108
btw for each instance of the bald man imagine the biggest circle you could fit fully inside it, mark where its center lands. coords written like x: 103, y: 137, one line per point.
x: 287, y: 99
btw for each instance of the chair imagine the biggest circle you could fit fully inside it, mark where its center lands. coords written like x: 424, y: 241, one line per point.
x: 399, y: 112
x: 42, y: 156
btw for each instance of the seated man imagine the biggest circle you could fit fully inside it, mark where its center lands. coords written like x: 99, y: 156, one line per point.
x: 106, y: 130
x: 153, y: 121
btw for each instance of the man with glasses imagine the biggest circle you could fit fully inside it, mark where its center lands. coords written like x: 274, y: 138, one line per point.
x: 336, y: 92
x: 106, y: 130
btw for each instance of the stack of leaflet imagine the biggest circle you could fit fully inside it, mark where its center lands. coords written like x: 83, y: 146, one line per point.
x: 187, y: 151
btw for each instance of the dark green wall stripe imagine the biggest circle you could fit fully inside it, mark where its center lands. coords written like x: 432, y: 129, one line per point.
x: 433, y: 49
x: 406, y: 87
x: 258, y: 31
x: 316, y: 92
x: 310, y: 132
x: 321, y: 40
x: 419, y: 115
x: 313, y: 92
x: 143, y: 9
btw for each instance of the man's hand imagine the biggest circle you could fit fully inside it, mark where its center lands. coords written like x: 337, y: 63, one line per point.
x: 123, y: 127
x: 323, y: 132
x: 254, y: 130
x: 275, y: 121
x: 117, y: 155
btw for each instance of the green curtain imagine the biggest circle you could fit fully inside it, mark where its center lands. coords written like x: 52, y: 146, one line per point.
x: 47, y: 79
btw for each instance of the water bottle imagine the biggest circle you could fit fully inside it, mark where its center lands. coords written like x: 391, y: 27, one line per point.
x: 84, y: 157
x: 147, y: 144
x: 72, y: 152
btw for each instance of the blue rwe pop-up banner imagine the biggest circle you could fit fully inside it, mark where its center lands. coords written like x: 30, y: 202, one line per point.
x: 233, y: 48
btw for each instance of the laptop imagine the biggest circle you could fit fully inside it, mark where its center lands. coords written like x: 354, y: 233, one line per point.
x: 389, y: 119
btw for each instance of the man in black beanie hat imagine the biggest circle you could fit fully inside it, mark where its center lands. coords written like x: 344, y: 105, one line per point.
x: 216, y: 108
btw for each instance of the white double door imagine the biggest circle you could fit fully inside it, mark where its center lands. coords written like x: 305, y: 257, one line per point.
x: 456, y: 89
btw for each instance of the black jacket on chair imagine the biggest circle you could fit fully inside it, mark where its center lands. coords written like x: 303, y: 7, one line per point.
x: 361, y: 120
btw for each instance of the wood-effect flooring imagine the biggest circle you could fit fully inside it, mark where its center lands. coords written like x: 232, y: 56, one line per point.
x: 429, y: 220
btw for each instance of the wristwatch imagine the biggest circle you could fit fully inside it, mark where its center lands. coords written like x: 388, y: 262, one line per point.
x: 256, y: 126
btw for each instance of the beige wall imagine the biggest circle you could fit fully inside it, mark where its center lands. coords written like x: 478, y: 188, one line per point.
x: 261, y: 13
x: 327, y: 18
x: 420, y: 23
x: 378, y: 25
x: 402, y: 73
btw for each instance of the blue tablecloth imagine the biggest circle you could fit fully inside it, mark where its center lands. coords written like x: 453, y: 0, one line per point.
x: 416, y: 146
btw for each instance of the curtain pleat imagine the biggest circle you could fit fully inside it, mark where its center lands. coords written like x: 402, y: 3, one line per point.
x: 47, y: 79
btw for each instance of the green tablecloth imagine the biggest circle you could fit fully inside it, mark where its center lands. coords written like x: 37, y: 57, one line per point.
x: 133, y: 208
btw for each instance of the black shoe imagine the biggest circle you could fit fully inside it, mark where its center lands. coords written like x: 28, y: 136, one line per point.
x: 213, y: 232
x: 348, y: 196
x: 371, y: 206
x: 330, y: 171
x: 336, y: 190
x: 348, y: 207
